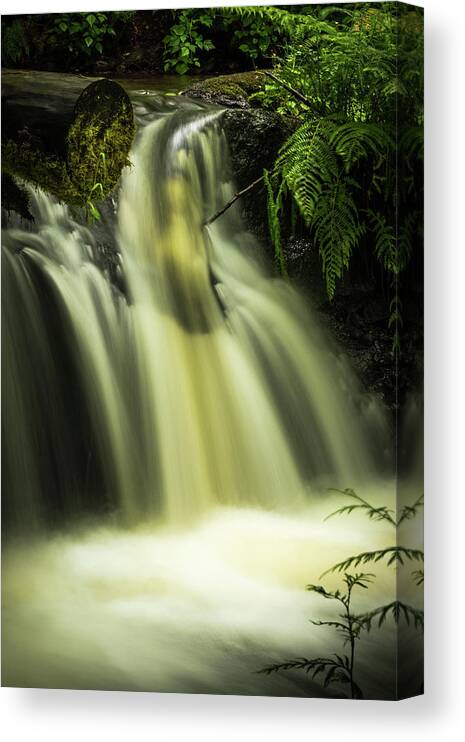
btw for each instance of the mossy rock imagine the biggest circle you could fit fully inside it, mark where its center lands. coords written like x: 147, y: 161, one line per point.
x: 233, y: 91
x: 85, y: 166
x: 99, y: 139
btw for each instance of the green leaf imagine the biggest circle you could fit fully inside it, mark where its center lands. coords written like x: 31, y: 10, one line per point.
x: 181, y: 68
x: 95, y: 212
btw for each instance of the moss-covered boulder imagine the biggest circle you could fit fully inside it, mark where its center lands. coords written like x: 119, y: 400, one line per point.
x: 233, y: 91
x: 75, y: 152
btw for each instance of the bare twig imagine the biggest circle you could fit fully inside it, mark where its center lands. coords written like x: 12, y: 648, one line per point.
x: 296, y: 93
x: 233, y: 200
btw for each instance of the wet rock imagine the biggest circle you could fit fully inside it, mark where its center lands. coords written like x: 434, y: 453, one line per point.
x: 14, y: 200
x: 233, y: 91
x: 255, y: 138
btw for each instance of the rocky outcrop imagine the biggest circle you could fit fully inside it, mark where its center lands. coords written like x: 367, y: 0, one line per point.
x: 255, y: 138
x: 234, y: 91
x: 254, y: 135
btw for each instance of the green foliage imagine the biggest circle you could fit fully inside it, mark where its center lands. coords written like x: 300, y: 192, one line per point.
x: 354, y: 78
x: 186, y: 41
x: 14, y: 42
x: 393, y: 555
x: 373, y: 512
x: 254, y: 33
x: 397, y: 609
x: 339, y: 669
x: 82, y: 34
x: 96, y: 149
x: 274, y: 205
x: 315, y: 164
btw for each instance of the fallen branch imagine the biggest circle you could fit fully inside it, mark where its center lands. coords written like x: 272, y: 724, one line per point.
x: 233, y: 200
x: 296, y: 93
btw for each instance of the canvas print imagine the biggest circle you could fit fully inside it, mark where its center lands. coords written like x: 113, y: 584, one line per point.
x: 212, y: 350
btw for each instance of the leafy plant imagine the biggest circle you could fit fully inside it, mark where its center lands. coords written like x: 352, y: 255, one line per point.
x: 14, y: 42
x: 353, y: 167
x: 375, y: 513
x: 255, y: 32
x: 185, y: 41
x: 83, y: 34
x: 97, y: 190
x: 340, y: 669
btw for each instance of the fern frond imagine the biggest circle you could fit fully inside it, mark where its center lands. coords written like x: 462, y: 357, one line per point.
x: 316, y: 665
x: 337, y: 670
x: 410, y: 511
x: 418, y: 576
x: 358, y: 139
x: 307, y: 162
x: 386, y: 248
x: 337, y: 231
x: 411, y: 142
x: 408, y: 234
x: 397, y: 610
x: 393, y: 554
x: 372, y: 512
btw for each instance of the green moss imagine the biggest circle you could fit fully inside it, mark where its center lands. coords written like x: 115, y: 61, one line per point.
x: 97, y: 147
x: 97, y: 151
x: 236, y: 86
x: 46, y: 171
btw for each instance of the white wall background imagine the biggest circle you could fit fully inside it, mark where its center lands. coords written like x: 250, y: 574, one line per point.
x: 83, y: 716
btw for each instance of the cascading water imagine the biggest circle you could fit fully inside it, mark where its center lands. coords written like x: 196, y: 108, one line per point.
x: 186, y: 399
x: 208, y: 383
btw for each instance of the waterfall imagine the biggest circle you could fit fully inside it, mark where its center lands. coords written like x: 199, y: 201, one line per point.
x: 205, y: 381
x: 173, y: 416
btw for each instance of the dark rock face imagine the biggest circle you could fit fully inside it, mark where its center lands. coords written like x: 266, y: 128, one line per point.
x: 358, y: 318
x: 255, y: 138
x: 254, y: 135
